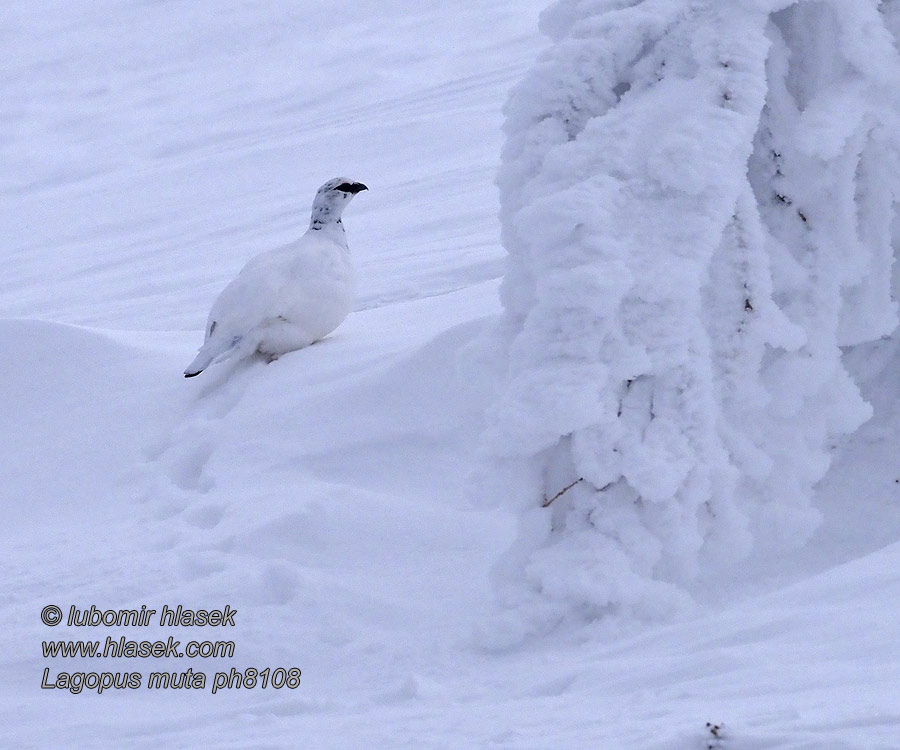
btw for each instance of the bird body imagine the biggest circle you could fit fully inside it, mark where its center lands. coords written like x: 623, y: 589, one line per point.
x: 287, y: 298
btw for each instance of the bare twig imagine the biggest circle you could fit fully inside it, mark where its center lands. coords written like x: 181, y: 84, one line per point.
x: 562, y: 492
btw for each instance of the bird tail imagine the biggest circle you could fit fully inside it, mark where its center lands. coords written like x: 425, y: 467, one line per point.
x: 212, y: 351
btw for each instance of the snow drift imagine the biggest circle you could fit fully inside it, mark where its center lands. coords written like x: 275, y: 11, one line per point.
x: 698, y: 202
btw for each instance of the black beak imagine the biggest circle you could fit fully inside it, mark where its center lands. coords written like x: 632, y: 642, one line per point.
x: 351, y: 187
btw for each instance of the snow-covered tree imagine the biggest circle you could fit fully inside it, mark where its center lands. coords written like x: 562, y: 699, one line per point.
x: 698, y: 199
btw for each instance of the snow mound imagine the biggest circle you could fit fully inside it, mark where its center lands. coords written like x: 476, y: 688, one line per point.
x: 68, y: 427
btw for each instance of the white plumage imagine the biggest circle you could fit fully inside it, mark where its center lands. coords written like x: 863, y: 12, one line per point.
x: 287, y: 298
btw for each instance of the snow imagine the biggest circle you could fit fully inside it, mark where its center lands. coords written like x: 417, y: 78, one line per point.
x: 150, y: 149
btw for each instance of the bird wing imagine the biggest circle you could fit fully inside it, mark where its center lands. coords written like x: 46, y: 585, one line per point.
x: 251, y: 297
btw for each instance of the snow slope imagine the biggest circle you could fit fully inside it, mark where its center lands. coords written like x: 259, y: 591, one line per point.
x: 150, y: 148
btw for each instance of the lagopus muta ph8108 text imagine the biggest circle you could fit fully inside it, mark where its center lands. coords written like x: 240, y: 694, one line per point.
x: 287, y: 298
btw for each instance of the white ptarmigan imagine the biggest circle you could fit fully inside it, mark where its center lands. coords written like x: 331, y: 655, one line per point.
x: 287, y: 298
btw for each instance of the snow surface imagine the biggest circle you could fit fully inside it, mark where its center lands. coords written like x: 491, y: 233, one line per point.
x: 149, y: 149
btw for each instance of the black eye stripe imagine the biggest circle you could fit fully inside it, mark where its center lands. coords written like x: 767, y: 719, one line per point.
x: 350, y: 187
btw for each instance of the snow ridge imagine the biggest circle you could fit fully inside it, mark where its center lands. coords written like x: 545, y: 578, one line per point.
x: 697, y: 202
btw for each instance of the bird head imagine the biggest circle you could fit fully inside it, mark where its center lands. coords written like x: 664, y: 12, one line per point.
x: 330, y: 201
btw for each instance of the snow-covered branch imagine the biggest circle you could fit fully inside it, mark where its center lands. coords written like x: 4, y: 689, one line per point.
x: 697, y: 202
